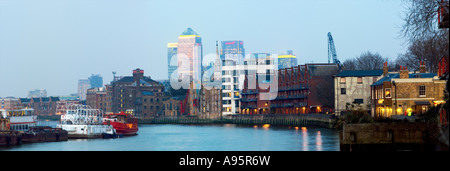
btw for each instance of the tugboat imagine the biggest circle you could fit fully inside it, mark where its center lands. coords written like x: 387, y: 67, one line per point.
x: 81, y: 121
x: 123, y: 123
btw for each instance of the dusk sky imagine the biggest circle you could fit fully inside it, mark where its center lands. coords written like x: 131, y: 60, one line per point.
x: 50, y: 44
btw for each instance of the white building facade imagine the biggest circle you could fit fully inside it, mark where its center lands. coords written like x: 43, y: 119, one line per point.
x: 352, y: 89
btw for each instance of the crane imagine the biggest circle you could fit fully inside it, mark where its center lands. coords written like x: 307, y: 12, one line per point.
x: 332, y: 50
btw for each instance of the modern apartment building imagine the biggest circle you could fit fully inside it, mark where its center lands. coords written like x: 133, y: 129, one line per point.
x: 233, y: 76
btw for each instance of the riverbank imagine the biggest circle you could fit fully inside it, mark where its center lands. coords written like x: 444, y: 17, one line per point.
x: 301, y: 120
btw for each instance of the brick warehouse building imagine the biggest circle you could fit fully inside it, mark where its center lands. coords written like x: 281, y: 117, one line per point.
x: 43, y: 106
x: 301, y: 89
x: 406, y: 93
x: 139, y: 93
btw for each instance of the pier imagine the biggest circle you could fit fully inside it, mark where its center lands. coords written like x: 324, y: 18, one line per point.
x: 320, y: 120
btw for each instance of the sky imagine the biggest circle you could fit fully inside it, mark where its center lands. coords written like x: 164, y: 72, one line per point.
x: 51, y: 44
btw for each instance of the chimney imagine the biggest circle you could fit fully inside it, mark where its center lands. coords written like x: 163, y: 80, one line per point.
x: 404, y: 73
x: 422, y: 68
x: 138, y: 74
x: 385, y: 69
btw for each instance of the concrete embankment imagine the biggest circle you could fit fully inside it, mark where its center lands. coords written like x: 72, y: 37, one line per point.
x: 320, y: 120
x: 419, y: 136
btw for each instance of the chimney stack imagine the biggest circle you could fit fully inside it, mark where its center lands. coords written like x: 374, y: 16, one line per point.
x: 422, y: 68
x: 138, y: 74
x: 385, y: 69
x: 404, y: 73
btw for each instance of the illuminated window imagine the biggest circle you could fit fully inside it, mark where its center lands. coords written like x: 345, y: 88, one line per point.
x: 387, y: 93
x: 343, y: 80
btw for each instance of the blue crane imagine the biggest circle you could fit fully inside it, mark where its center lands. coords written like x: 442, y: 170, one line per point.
x: 332, y: 50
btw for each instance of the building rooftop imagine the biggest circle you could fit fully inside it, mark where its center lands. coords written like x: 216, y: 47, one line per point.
x: 390, y: 76
x: 360, y: 73
x: 189, y: 31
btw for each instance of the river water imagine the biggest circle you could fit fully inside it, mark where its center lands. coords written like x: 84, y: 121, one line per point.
x: 220, y: 137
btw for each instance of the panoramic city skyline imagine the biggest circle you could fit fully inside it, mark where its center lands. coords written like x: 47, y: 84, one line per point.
x: 52, y: 44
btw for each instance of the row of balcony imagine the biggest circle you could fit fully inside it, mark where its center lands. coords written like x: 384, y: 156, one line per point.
x: 281, y: 88
x: 279, y: 105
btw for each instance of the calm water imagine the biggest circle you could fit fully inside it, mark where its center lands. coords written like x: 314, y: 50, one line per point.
x: 223, y: 137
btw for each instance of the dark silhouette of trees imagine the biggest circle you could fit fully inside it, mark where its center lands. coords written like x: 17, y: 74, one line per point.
x: 366, y: 61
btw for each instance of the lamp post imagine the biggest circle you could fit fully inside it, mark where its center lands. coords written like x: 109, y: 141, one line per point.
x: 395, y: 89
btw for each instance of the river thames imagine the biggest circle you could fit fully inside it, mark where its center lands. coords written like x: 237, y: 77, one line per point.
x: 210, y: 137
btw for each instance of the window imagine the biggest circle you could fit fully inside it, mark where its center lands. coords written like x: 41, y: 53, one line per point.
x: 343, y: 91
x: 374, y: 79
x: 387, y: 93
x: 358, y: 101
x: 422, y: 91
x: 359, y: 80
x: 343, y: 80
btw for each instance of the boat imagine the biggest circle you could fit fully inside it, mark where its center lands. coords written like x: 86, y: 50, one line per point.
x: 19, y: 119
x: 124, y: 123
x: 81, y: 121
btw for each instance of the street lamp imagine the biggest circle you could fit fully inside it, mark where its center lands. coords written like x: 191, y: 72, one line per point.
x: 395, y: 89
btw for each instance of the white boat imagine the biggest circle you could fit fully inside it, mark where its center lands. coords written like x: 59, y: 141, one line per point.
x: 19, y: 119
x: 81, y: 121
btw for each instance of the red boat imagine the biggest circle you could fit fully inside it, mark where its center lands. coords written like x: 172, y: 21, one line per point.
x: 124, y: 123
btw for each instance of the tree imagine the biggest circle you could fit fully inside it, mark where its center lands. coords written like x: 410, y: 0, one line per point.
x: 429, y: 50
x: 366, y: 61
x: 427, y: 42
x: 421, y: 20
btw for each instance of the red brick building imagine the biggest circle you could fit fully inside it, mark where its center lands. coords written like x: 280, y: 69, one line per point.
x: 301, y: 89
x: 43, y: 106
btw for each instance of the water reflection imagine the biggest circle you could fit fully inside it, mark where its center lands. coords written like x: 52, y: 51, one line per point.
x: 319, y: 141
x: 305, y: 139
x: 220, y: 137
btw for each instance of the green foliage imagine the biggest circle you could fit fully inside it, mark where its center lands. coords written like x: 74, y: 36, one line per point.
x: 431, y: 115
x: 353, y: 116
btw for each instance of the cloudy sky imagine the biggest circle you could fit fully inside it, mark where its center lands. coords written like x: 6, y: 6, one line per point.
x: 50, y: 44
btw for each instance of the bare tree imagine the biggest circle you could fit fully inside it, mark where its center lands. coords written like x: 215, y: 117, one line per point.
x: 349, y: 64
x: 421, y: 20
x: 427, y: 42
x: 429, y: 50
x: 366, y: 61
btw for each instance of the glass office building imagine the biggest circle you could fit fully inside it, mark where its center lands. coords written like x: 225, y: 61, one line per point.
x: 172, y: 57
x: 190, y: 54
